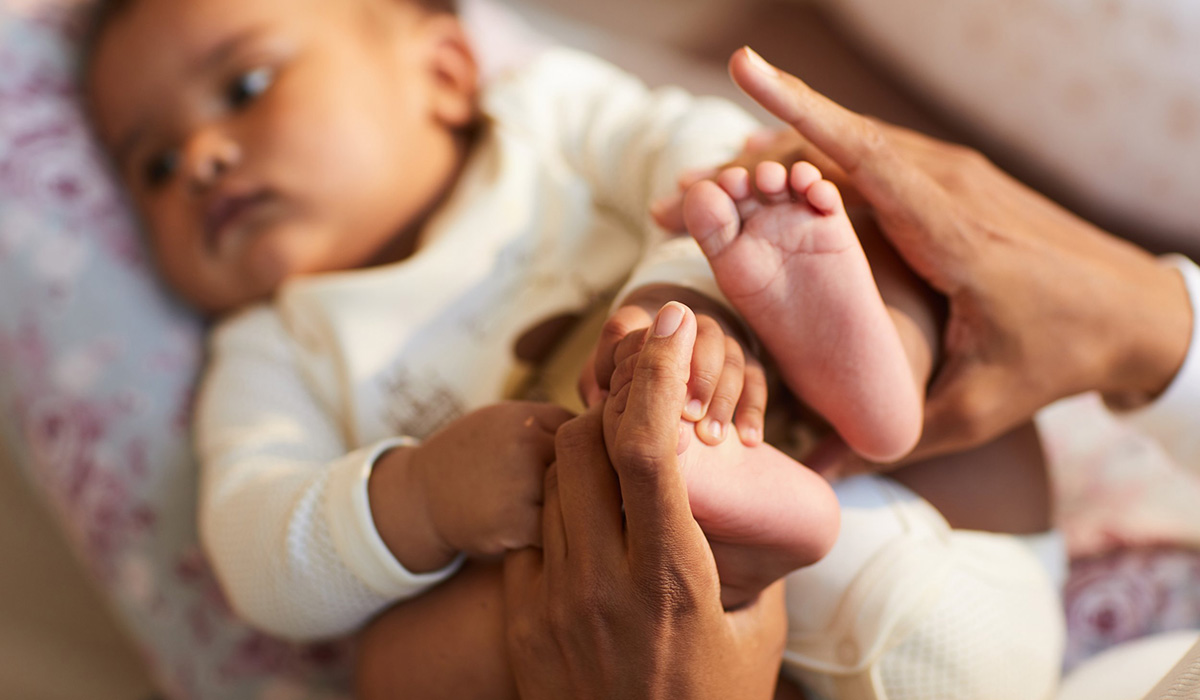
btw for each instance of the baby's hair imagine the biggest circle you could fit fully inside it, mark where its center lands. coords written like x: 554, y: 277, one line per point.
x: 104, y: 11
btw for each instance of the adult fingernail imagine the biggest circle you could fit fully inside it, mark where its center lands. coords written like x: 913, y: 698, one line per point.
x: 694, y: 409
x: 669, y: 320
x: 759, y: 62
x: 751, y: 436
x: 715, y: 429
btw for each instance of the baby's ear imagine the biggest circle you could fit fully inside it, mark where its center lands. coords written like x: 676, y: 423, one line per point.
x: 454, y: 71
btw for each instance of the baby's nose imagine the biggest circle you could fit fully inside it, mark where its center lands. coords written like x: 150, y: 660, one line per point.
x: 208, y: 155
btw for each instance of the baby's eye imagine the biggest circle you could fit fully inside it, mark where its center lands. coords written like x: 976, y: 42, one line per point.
x: 161, y: 168
x: 249, y: 85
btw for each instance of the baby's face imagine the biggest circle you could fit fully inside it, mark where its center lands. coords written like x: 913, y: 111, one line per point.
x: 267, y: 138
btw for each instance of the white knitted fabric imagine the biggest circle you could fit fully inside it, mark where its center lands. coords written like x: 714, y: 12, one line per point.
x: 934, y: 614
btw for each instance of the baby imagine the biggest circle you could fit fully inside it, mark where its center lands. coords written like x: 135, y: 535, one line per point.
x: 391, y: 250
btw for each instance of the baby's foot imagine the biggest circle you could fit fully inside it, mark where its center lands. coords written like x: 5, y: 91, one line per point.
x: 789, y: 262
x: 764, y: 514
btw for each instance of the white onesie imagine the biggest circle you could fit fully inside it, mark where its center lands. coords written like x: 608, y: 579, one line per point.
x: 300, y: 396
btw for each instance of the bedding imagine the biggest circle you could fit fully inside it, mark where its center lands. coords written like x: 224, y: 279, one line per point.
x: 1099, y: 99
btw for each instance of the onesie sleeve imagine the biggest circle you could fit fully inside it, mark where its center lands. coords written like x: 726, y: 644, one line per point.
x: 284, y: 514
x: 1174, y: 417
x: 631, y: 144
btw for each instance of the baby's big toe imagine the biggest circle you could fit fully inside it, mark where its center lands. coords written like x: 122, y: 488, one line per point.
x: 711, y: 217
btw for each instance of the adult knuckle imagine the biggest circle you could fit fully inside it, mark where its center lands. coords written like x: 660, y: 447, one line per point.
x: 654, y: 370
x: 571, y: 435
x: 593, y: 600
x: 734, y: 357
x: 673, y: 596
x: 634, y: 453
x: 640, y: 458
x: 873, y: 143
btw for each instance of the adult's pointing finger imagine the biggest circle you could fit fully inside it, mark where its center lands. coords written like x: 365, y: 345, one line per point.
x: 912, y: 206
x: 642, y: 433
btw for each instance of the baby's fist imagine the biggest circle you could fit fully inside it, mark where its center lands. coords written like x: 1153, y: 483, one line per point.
x: 483, y: 476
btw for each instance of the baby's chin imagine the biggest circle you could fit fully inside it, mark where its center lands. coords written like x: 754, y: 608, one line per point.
x: 236, y: 287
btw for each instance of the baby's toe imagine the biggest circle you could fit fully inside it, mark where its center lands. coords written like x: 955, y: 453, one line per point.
x: 771, y: 179
x: 711, y: 217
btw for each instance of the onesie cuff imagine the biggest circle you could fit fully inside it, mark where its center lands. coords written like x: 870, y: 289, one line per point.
x: 358, y: 542
x: 1171, y: 417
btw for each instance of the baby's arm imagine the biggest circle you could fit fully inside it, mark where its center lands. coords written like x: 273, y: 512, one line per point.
x: 285, y: 512
x: 474, y: 487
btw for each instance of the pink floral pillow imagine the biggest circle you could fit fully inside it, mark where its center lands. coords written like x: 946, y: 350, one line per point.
x: 97, y: 365
x: 1100, y: 99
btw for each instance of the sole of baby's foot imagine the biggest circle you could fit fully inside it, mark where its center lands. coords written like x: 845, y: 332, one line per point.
x: 786, y: 256
x: 764, y: 513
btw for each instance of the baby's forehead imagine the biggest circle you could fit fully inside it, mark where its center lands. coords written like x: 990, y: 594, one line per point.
x: 153, y: 17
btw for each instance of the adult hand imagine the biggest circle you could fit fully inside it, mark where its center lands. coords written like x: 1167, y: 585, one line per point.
x: 1042, y: 305
x: 629, y: 607
x: 727, y: 385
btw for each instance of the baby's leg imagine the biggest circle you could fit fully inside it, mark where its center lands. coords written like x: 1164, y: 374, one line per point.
x: 1001, y: 486
x: 447, y: 643
x: 790, y: 263
x: 904, y: 606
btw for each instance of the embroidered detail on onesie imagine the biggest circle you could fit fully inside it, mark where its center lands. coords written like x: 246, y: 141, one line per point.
x: 417, y: 406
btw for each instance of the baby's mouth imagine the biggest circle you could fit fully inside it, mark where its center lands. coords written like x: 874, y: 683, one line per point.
x: 225, y: 213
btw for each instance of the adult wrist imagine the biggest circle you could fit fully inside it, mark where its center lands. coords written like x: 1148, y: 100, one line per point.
x: 1160, y: 339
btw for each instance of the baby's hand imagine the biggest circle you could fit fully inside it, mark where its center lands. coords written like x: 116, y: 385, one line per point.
x: 482, y: 476
x: 727, y: 384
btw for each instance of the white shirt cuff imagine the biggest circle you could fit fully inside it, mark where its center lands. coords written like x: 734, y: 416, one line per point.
x: 358, y: 542
x: 1172, y: 417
